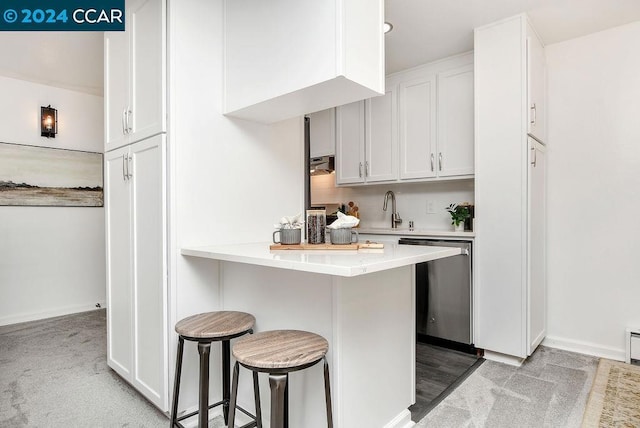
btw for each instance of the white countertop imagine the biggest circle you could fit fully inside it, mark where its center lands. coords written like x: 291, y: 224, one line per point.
x: 331, y: 262
x: 415, y: 232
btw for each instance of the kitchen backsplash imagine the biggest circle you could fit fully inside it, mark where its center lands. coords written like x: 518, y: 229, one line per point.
x: 412, y: 201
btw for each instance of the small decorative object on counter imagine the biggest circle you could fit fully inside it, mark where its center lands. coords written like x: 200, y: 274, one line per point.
x: 288, y: 236
x: 459, y: 213
x: 316, y: 224
x: 352, y: 210
x: 340, y: 231
x: 411, y: 225
x: 344, y: 222
x: 343, y: 236
x: 290, y: 230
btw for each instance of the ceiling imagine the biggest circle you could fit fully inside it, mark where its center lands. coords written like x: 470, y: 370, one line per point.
x: 423, y: 31
x: 427, y: 30
x: 70, y: 60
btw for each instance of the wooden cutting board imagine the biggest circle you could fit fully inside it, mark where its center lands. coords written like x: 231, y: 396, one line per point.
x: 305, y: 246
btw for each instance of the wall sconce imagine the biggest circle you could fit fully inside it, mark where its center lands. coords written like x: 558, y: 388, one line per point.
x: 48, y: 122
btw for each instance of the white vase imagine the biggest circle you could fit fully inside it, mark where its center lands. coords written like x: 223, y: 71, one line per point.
x: 459, y: 227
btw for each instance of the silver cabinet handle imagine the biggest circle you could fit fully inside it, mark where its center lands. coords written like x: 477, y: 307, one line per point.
x: 432, y: 160
x: 534, y: 114
x: 440, y: 161
x: 366, y: 169
x: 534, y: 157
x: 124, y: 171
x: 124, y: 121
x: 129, y: 169
x: 129, y: 120
x: 360, y: 170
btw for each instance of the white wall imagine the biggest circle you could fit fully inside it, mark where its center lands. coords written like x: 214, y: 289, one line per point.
x: 230, y: 180
x: 51, y: 258
x: 594, y: 190
x: 411, y: 201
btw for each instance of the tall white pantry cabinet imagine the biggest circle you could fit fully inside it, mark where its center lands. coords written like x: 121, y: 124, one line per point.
x: 135, y: 204
x: 510, y: 283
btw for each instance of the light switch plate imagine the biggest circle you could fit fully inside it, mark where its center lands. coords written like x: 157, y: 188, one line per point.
x: 431, y: 207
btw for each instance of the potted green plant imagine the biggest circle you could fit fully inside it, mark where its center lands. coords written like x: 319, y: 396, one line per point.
x: 459, y: 213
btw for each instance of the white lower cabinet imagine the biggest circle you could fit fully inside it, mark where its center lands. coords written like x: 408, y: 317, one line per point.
x: 137, y: 346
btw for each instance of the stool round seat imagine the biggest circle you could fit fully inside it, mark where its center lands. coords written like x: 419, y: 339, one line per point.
x: 280, y: 350
x: 214, y: 325
x: 206, y: 328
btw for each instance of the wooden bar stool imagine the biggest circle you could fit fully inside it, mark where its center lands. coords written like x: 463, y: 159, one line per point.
x: 278, y: 353
x: 206, y: 328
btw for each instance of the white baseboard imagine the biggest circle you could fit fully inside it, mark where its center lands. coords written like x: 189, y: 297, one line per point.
x: 403, y: 420
x: 584, y: 348
x: 503, y: 358
x: 34, y: 316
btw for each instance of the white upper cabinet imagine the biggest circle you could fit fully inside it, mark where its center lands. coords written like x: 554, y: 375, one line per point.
x: 421, y: 129
x: 134, y: 75
x: 537, y: 71
x: 418, y: 128
x: 116, y: 88
x: 455, y: 122
x: 381, y: 141
x: 350, y: 141
x: 436, y: 120
x: 366, y: 143
x: 322, y: 133
x: 336, y: 56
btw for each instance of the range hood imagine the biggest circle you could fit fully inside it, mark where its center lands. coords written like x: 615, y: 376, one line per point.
x: 322, y: 165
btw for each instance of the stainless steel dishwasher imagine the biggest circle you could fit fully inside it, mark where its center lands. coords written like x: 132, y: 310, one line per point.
x: 443, y: 297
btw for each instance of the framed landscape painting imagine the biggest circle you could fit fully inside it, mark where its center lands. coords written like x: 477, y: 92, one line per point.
x: 43, y: 176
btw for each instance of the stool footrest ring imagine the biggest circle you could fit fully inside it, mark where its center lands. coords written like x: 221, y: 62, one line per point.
x: 253, y: 423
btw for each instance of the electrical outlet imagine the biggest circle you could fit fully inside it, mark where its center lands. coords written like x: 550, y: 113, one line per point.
x: 431, y: 209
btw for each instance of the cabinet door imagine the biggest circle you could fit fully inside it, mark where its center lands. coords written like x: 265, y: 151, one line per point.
x: 119, y: 273
x: 147, y: 70
x: 149, y: 285
x: 116, y: 88
x: 418, y: 128
x: 322, y: 133
x: 455, y: 122
x: 537, y: 295
x: 381, y: 162
x: 350, y: 143
x: 536, y: 65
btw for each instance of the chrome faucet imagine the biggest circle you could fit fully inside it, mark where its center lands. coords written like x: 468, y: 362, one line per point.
x: 395, y: 217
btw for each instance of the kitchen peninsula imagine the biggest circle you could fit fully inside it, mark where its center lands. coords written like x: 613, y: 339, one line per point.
x: 361, y: 301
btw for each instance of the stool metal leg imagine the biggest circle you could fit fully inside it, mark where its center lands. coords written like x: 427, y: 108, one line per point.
x: 278, y: 384
x: 234, y: 396
x: 204, y: 349
x: 256, y: 397
x: 176, y: 382
x: 327, y: 394
x: 226, y: 378
x: 286, y: 403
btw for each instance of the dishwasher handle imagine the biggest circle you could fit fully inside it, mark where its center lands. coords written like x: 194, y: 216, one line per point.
x: 465, y: 246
